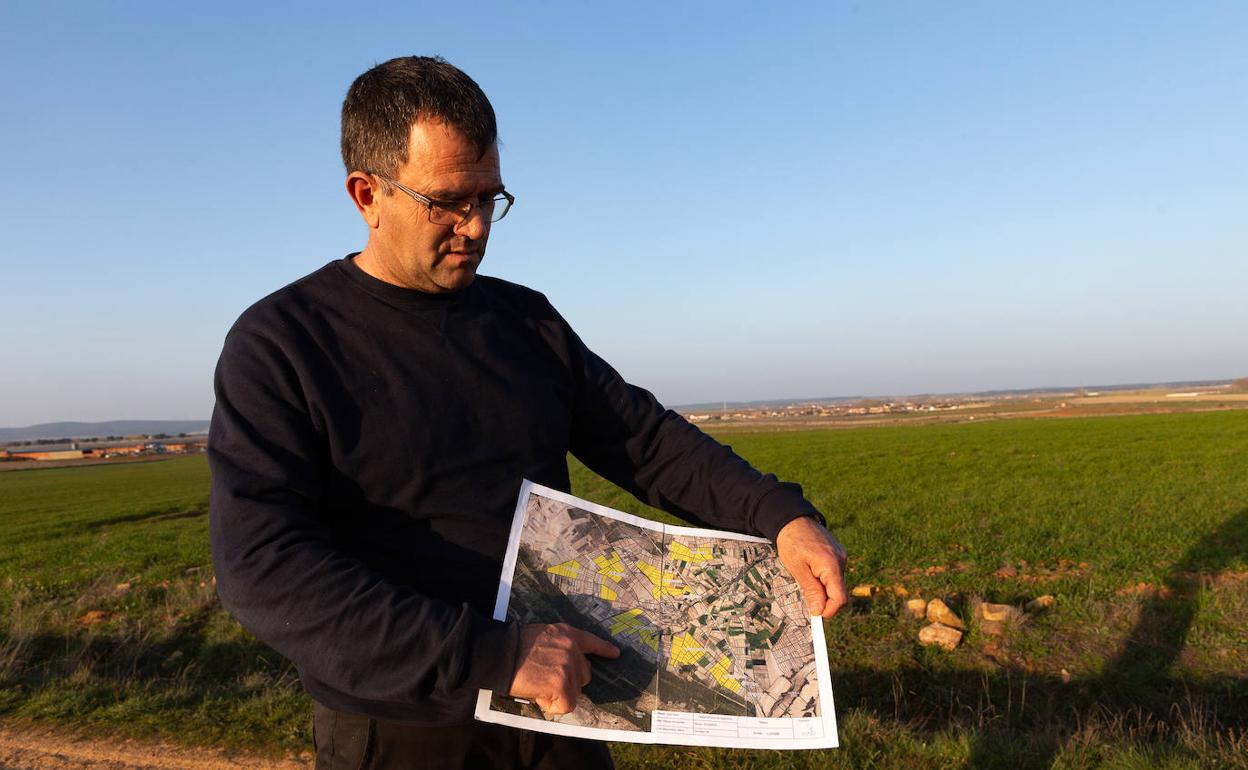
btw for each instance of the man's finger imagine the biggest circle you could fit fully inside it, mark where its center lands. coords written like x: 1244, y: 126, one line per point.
x: 834, y: 589
x: 559, y: 704
x: 813, y: 592
x: 595, y: 645
x: 583, y: 671
x: 832, y: 575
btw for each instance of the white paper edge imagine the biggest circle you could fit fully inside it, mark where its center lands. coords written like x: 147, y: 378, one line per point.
x: 558, y: 728
x: 483, y: 712
x: 611, y: 513
x: 823, y: 672
x: 513, y: 551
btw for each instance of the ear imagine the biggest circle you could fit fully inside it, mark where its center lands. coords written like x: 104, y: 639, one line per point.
x: 364, y: 194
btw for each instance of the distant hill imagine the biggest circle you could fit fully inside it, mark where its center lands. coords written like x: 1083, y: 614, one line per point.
x: 61, y: 430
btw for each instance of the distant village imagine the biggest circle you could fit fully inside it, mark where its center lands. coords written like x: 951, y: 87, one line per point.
x: 1222, y: 394
x: 1212, y: 394
x: 825, y: 410
x: 44, y: 450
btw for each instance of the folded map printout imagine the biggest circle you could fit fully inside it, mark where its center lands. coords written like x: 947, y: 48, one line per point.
x: 716, y: 645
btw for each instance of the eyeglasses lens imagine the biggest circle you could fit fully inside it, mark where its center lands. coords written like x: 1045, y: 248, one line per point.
x: 453, y: 214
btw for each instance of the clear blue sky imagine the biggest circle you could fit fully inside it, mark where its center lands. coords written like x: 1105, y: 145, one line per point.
x: 728, y: 201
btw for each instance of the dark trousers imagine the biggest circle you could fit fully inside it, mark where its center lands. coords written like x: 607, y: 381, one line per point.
x: 350, y: 742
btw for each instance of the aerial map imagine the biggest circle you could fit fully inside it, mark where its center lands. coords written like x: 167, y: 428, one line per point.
x: 716, y: 645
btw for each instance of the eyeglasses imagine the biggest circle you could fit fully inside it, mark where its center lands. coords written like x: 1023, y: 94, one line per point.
x: 456, y: 213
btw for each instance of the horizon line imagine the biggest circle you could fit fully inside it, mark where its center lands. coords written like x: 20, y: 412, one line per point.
x: 723, y: 403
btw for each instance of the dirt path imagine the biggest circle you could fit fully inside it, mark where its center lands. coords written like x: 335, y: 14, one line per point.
x: 33, y: 749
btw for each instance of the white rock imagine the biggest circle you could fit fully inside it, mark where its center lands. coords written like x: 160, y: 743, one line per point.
x: 940, y: 636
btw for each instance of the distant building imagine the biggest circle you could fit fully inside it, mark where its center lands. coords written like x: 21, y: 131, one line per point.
x: 103, y: 449
x: 69, y: 451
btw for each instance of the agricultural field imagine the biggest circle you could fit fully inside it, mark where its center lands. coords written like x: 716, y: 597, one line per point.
x: 1138, y: 525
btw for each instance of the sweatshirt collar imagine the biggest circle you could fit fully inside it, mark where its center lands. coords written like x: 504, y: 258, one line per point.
x: 404, y: 299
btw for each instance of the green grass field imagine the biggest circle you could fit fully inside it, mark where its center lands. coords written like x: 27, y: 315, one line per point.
x: 1139, y: 526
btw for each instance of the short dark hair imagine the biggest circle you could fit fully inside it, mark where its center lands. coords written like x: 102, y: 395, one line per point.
x: 383, y: 104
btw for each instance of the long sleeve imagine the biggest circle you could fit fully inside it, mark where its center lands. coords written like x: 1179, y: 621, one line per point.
x: 624, y: 434
x: 350, y: 629
x: 367, y: 447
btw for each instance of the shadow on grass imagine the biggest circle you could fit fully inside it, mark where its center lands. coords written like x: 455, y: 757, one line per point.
x: 1136, y: 694
x: 167, y: 514
x: 74, y: 528
x: 80, y: 673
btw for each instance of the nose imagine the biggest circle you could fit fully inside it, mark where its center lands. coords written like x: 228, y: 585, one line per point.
x: 475, y: 226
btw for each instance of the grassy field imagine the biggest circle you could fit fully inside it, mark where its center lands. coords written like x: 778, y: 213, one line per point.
x: 1139, y: 526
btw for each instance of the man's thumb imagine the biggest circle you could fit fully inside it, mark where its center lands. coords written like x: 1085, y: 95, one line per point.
x: 814, y: 593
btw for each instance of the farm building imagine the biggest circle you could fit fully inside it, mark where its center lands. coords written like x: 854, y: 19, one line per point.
x: 103, y: 449
x: 46, y: 452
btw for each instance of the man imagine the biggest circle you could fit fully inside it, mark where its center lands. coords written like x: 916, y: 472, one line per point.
x: 374, y: 422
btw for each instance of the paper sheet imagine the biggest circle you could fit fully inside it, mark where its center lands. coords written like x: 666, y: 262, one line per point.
x: 717, y: 648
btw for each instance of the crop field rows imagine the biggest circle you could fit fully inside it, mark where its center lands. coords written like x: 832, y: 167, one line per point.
x: 1137, y: 525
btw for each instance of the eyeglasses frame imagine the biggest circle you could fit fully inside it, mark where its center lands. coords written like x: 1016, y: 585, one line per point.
x: 453, y: 206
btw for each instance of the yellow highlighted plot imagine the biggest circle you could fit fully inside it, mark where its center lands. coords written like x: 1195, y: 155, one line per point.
x: 649, y: 637
x: 630, y: 622
x: 683, y: 552
x: 607, y: 593
x: 610, y: 566
x: 626, y: 622
x: 720, y: 672
x: 569, y: 569
x: 685, y: 650
x: 661, y: 581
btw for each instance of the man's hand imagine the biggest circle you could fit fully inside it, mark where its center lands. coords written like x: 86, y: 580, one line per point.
x: 553, y: 666
x: 817, y: 561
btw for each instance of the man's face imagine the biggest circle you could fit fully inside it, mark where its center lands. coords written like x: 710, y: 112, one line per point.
x: 419, y: 254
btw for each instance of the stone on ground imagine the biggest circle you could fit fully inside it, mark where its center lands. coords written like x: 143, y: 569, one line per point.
x: 999, y: 613
x: 1041, y: 603
x: 940, y: 636
x: 939, y: 612
x: 916, y: 608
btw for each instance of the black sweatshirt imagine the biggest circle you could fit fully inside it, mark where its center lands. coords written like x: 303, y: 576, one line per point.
x: 367, y: 448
